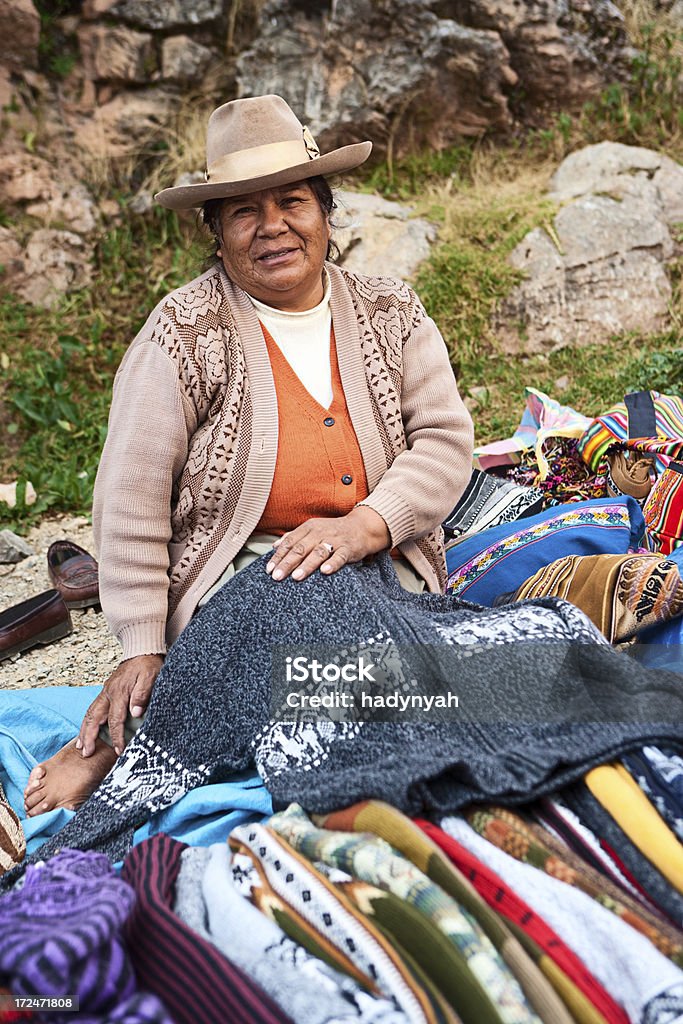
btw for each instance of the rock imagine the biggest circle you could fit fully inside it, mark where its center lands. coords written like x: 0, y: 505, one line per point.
x: 597, y: 168
x: 182, y: 59
x: 11, y: 257
x: 349, y: 84
x: 93, y: 9
x: 28, y: 179
x: 160, y: 14
x: 593, y: 228
x: 564, y: 52
x: 25, y: 177
x: 380, y: 237
x: 71, y: 206
x: 6, y: 88
x: 21, y: 30
x: 13, y: 548
x: 141, y: 203
x: 116, y: 54
x: 668, y: 180
x: 56, y: 262
x: 125, y: 124
x: 603, y: 271
x: 620, y: 171
x: 8, y: 494
x: 189, y: 178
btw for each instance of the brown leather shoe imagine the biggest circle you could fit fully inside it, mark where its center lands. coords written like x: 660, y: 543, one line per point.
x: 40, y: 620
x: 73, y: 572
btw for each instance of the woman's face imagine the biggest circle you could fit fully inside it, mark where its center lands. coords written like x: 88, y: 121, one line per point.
x: 274, y: 244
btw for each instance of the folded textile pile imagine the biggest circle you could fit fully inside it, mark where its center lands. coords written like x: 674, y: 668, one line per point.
x: 498, y: 560
x: 362, y: 916
x: 488, y: 502
x: 590, y: 703
x: 61, y: 934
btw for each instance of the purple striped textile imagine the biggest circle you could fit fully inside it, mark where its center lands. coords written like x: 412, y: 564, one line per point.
x: 61, y: 934
x: 196, y: 982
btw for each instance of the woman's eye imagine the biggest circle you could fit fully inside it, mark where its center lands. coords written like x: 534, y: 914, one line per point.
x: 292, y: 200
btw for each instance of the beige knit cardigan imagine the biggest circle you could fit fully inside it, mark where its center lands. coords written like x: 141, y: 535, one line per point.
x: 190, y: 453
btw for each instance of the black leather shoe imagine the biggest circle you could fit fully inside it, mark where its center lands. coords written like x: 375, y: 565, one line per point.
x: 40, y: 620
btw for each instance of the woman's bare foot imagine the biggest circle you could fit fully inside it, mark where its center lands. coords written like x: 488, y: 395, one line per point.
x: 67, y: 779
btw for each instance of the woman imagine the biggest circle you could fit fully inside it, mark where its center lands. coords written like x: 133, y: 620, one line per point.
x: 274, y: 402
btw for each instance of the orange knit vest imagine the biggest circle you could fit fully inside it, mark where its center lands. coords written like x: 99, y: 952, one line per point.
x: 319, y: 469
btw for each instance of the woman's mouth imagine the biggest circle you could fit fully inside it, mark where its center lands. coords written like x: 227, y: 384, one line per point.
x: 277, y: 256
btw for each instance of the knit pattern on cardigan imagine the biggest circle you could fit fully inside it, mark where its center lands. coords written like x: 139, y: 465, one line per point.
x: 197, y: 328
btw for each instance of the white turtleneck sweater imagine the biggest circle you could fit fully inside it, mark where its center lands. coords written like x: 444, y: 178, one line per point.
x: 304, y: 340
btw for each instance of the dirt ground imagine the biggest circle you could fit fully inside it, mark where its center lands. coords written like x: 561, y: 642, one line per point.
x: 84, y: 658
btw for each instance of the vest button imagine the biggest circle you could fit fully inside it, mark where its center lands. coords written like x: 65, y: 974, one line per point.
x: 329, y: 421
x: 347, y: 478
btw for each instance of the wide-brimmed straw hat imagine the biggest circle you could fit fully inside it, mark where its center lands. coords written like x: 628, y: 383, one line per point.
x: 258, y: 143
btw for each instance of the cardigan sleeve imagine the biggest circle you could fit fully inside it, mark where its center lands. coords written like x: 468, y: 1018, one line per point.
x: 150, y: 423
x: 424, y: 481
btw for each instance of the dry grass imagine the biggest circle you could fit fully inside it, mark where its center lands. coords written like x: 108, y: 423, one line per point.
x: 184, y: 145
x: 503, y: 187
x: 482, y: 218
x: 641, y: 16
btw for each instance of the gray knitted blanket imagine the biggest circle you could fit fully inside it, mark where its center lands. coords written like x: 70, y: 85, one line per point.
x: 541, y: 700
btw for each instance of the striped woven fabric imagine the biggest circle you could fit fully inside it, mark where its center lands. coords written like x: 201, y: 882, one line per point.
x: 533, y: 844
x: 488, y: 501
x: 663, y: 511
x: 621, y: 594
x: 12, y: 840
x: 404, y: 835
x: 492, y: 992
x: 312, y: 911
x: 193, y: 978
x: 507, y: 902
x: 614, y: 426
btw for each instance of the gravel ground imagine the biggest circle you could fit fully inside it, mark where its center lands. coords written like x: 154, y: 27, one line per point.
x: 85, y: 657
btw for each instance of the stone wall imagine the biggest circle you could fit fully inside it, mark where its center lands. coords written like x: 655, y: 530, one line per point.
x: 92, y: 96
x: 402, y: 72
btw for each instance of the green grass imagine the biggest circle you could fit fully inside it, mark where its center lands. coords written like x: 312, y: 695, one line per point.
x: 58, y: 365
x: 594, y: 378
x: 57, y: 52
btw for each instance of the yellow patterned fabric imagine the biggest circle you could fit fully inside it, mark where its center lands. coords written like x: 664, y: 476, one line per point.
x: 622, y: 797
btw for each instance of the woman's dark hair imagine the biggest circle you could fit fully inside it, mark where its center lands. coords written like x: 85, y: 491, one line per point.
x: 211, y: 214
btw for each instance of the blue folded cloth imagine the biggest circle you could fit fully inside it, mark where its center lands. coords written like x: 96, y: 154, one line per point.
x: 661, y: 646
x: 36, y: 723
x: 499, y: 560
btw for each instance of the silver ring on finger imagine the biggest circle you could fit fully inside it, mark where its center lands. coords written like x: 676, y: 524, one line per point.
x: 328, y: 546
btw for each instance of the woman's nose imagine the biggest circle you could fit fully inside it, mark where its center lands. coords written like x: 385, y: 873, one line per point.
x: 272, y: 220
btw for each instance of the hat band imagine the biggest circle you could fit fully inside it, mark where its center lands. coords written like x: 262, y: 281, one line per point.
x: 258, y: 161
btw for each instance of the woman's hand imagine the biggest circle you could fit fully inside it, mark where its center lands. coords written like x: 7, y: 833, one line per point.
x: 300, y: 552
x: 128, y: 688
